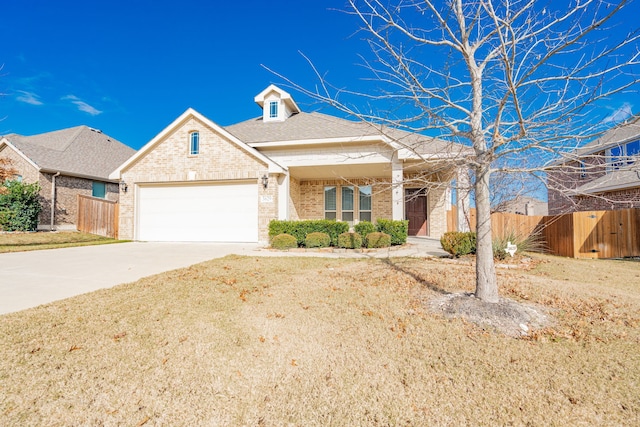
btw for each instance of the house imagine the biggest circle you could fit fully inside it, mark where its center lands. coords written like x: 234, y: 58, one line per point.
x: 602, y: 175
x: 523, y: 205
x: 198, y: 181
x: 66, y: 163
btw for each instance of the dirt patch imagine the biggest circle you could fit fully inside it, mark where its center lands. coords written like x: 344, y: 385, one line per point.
x: 506, y: 316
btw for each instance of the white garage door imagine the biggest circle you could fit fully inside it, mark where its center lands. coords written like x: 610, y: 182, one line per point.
x: 198, y: 213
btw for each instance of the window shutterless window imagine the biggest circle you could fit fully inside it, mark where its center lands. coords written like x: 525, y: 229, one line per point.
x: 364, y: 203
x: 273, y: 109
x: 194, y: 143
x: 330, y: 202
x: 347, y: 204
x: 98, y: 189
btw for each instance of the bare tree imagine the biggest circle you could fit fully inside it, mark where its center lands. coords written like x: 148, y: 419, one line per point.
x: 516, y: 80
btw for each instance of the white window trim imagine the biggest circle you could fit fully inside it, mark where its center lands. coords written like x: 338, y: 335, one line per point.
x: 191, y: 150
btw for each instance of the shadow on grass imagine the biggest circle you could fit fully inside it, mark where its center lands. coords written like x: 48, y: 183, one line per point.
x: 398, y: 268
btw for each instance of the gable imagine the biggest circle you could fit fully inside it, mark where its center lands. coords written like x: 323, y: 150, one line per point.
x: 220, y: 151
x: 22, y: 164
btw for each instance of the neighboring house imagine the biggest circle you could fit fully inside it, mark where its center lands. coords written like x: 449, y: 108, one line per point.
x: 602, y: 175
x: 66, y: 163
x: 523, y: 205
x: 198, y: 181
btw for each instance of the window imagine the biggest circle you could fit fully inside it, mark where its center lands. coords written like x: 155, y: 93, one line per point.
x: 194, y: 143
x: 623, y: 155
x: 17, y: 178
x: 99, y: 189
x: 347, y: 204
x: 273, y: 109
x: 330, y: 202
x: 365, y: 203
x: 349, y: 211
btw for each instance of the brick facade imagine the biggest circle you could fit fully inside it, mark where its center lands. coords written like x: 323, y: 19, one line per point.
x: 67, y: 190
x: 219, y: 160
x: 563, y: 179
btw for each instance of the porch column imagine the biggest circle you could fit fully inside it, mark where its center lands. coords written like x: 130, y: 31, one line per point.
x: 463, y: 191
x: 397, y: 189
x: 283, y: 197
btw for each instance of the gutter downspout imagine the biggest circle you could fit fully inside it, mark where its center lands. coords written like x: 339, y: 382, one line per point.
x: 53, y: 198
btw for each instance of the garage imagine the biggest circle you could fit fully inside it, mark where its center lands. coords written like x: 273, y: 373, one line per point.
x: 211, y: 212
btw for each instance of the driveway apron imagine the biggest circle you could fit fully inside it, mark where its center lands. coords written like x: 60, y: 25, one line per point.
x: 28, y: 279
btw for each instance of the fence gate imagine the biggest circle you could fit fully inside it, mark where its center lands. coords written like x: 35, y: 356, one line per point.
x: 97, y: 216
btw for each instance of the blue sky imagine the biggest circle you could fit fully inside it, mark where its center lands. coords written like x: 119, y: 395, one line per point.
x: 131, y: 67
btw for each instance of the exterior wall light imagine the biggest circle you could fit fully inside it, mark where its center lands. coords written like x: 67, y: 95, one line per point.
x: 265, y: 181
x: 123, y: 186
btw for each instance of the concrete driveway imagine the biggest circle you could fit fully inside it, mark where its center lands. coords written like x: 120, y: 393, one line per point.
x: 29, y: 279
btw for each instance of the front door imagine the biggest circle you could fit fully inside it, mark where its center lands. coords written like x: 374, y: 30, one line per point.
x: 416, y: 211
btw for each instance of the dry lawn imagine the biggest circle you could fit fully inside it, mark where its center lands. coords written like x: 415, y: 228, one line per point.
x: 320, y: 342
x: 20, y: 242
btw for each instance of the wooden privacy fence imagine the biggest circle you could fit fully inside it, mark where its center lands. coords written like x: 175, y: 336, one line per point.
x: 589, y: 234
x: 97, y: 216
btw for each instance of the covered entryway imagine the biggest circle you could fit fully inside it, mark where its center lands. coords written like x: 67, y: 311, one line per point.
x: 416, y: 211
x: 208, y: 212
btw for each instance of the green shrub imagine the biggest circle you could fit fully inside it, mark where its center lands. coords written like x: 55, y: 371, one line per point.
x: 349, y: 240
x: 364, y: 228
x: 300, y: 229
x: 19, y: 206
x: 317, y: 240
x: 284, y: 241
x: 459, y: 243
x: 398, y: 230
x: 378, y: 240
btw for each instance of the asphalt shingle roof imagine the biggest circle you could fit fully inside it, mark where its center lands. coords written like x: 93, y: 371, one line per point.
x: 313, y: 126
x: 79, y: 150
x: 615, y: 136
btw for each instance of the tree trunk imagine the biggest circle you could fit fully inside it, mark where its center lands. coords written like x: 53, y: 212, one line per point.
x: 486, y: 282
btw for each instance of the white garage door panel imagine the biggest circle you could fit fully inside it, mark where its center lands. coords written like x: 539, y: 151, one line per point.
x: 199, y: 213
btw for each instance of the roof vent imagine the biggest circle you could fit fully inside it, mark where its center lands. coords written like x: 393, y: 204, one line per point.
x: 96, y: 130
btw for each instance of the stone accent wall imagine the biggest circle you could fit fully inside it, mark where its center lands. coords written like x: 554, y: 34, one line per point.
x: 218, y: 160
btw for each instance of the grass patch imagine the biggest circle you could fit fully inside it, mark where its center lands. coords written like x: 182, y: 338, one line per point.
x: 19, y: 242
x: 312, y: 341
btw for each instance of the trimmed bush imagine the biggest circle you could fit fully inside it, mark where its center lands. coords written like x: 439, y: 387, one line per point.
x: 458, y: 243
x: 284, y: 241
x: 350, y: 240
x: 19, y: 206
x: 300, y: 229
x: 364, y: 228
x: 317, y: 240
x: 398, y: 230
x: 378, y: 240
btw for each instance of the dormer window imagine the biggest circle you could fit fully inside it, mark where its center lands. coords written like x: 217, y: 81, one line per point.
x: 194, y: 143
x: 273, y: 109
x: 277, y: 105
